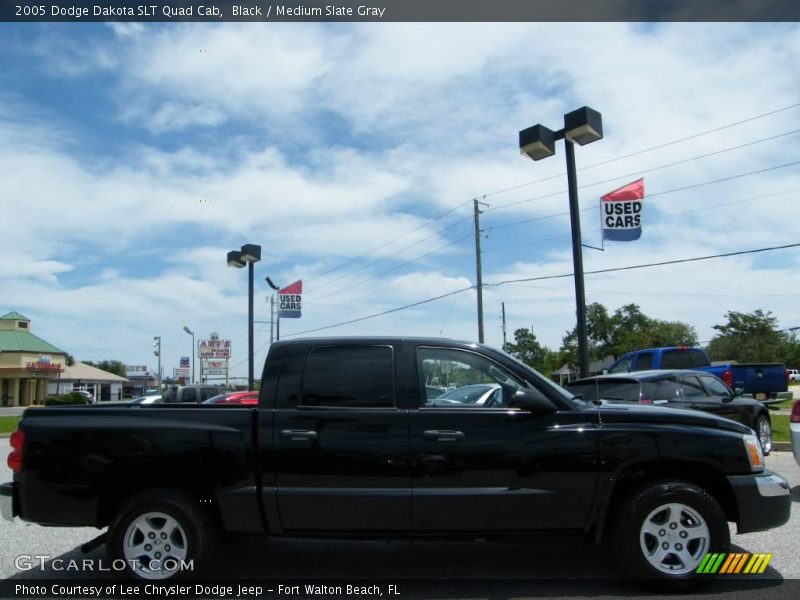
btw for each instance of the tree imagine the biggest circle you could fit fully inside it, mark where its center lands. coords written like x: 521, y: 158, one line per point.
x: 528, y: 349
x: 748, y: 337
x: 525, y: 347
x: 627, y: 329
x: 111, y: 366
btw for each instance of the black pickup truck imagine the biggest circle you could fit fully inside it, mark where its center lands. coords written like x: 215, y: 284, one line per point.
x: 394, y: 438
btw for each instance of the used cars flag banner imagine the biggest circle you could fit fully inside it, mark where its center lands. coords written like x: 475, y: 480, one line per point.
x: 621, y: 211
x: 290, y: 301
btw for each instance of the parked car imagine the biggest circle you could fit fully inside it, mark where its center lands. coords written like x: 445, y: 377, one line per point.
x: 151, y: 399
x: 680, y: 389
x: 479, y: 394
x: 343, y: 444
x: 88, y: 395
x: 763, y: 380
x: 794, y: 430
x: 234, y: 398
x: 433, y: 391
x: 794, y: 375
x: 189, y: 393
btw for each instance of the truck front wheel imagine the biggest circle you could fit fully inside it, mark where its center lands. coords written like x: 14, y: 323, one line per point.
x: 664, y: 529
x: 158, y: 535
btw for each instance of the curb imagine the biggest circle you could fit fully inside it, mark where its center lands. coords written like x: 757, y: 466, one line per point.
x: 781, y: 446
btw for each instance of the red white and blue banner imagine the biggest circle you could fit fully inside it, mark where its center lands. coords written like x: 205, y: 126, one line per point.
x: 290, y: 300
x: 621, y: 211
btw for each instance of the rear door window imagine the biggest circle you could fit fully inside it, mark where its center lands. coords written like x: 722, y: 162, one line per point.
x: 662, y: 389
x: 189, y: 395
x: 349, y: 377
x: 692, y: 388
x: 644, y: 361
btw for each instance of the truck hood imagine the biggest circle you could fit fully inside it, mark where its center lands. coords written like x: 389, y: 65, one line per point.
x: 645, y: 413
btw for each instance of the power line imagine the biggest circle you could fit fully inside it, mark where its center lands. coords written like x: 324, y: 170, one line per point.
x: 380, y: 260
x: 650, y: 219
x: 713, y: 181
x: 400, y: 266
x: 665, y: 192
x: 390, y: 242
x: 525, y: 201
x: 559, y: 175
x: 545, y: 277
x: 647, y: 265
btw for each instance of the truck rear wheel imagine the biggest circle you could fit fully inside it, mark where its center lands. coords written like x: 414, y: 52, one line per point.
x: 159, y: 535
x: 664, y: 529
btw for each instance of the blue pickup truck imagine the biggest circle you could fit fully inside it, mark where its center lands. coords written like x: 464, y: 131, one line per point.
x: 763, y: 380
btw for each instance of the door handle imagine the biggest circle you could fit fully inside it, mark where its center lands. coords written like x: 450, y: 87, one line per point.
x: 299, y: 435
x: 437, y: 435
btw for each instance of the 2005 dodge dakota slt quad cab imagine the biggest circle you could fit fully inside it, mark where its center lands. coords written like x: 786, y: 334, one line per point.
x: 351, y: 439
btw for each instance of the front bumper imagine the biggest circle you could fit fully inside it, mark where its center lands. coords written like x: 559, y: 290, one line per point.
x: 763, y: 501
x: 7, y: 504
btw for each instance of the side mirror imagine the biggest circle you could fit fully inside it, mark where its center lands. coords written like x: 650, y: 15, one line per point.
x: 533, y: 401
x: 738, y: 392
x: 605, y: 371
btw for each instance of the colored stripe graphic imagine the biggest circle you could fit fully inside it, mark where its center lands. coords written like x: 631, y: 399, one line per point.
x: 734, y: 563
x: 758, y: 563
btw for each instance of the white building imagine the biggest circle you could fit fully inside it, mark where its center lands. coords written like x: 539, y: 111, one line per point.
x: 104, y: 386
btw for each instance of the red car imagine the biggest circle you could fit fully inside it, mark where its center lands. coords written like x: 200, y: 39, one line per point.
x: 250, y: 398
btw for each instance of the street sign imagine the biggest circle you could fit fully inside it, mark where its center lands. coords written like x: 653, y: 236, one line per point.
x: 290, y: 301
x: 214, y: 348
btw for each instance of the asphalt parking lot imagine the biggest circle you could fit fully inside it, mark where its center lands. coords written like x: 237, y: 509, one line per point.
x: 555, y: 566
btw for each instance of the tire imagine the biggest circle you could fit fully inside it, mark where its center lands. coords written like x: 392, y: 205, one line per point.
x: 678, y: 514
x: 764, y: 433
x: 178, y: 529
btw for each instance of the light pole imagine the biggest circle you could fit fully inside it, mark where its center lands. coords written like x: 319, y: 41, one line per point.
x: 157, y: 352
x: 583, y: 126
x: 190, y: 332
x: 249, y: 254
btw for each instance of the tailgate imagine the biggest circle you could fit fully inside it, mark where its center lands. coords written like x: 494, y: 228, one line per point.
x: 760, y: 378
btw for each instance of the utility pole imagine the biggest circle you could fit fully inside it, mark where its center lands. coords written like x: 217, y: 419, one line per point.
x: 505, y: 343
x: 478, y: 266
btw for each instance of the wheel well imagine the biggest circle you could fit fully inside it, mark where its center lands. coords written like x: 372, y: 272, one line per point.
x: 131, y: 479
x: 703, y: 476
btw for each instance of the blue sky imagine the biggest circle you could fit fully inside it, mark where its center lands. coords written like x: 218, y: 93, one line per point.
x: 133, y: 157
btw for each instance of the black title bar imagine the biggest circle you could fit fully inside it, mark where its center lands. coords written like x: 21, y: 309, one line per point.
x: 403, y: 10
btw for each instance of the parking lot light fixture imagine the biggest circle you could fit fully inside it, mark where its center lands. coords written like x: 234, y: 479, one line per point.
x: 249, y: 254
x: 537, y: 142
x: 582, y: 126
x: 235, y: 259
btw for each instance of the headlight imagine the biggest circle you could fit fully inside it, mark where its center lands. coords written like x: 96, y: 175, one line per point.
x: 753, y: 450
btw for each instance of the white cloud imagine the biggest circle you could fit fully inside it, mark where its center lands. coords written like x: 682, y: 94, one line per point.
x: 323, y: 143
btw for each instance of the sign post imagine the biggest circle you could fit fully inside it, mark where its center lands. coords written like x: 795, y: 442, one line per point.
x: 214, y: 355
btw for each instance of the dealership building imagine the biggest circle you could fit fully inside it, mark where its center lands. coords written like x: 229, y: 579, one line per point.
x: 27, y: 363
